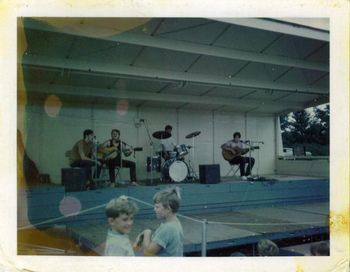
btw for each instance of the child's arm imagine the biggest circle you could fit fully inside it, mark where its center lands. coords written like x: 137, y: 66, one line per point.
x: 150, y: 248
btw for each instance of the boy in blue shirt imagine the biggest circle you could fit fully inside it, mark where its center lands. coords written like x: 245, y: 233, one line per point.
x: 167, y: 240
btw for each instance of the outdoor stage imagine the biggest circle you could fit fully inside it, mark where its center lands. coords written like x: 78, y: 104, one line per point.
x: 235, y: 213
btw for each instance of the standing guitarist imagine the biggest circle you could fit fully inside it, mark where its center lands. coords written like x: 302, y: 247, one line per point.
x: 233, y: 150
x: 111, y: 154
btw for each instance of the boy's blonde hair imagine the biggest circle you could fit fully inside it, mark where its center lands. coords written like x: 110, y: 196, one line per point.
x: 267, y: 248
x: 121, y: 205
x: 169, y: 198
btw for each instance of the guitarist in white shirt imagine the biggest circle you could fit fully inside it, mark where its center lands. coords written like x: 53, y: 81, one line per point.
x: 111, y: 154
x: 233, y: 150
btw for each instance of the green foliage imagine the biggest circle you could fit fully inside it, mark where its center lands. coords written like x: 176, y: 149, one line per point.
x: 309, y: 129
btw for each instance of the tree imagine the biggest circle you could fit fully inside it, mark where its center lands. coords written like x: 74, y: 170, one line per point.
x: 307, y: 128
x: 322, y: 125
x: 300, y: 126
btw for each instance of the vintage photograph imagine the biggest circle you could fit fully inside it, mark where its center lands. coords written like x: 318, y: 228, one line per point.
x: 173, y: 136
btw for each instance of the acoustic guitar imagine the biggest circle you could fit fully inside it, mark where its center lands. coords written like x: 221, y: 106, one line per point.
x: 108, y: 153
x: 230, y: 155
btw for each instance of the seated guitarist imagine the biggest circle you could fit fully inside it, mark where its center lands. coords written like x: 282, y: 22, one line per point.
x: 233, y: 151
x: 111, y: 150
x: 82, y: 156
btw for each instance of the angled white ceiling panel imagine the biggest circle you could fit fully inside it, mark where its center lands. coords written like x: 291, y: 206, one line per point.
x: 148, y: 27
x: 302, y: 98
x: 260, y: 71
x: 164, y: 60
x: 199, y: 30
x: 302, y: 76
x: 48, y: 43
x: 191, y: 106
x: 138, y: 85
x: 216, y: 66
x: 186, y: 88
x: 84, y: 80
x: 236, y: 108
x: 294, y: 47
x: 266, y: 95
x: 274, y: 25
x: 323, y: 83
x: 36, y: 76
x: 230, y: 92
x: 105, y: 51
x: 248, y: 39
x: 158, y: 104
x: 321, y: 55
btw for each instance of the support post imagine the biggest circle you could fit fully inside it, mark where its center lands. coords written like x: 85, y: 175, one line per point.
x: 204, y: 238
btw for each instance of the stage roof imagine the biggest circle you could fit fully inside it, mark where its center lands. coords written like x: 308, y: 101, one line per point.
x: 250, y: 65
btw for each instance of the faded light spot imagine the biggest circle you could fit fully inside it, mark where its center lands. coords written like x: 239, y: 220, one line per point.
x: 299, y: 268
x: 122, y: 107
x: 338, y: 222
x: 52, y: 105
x: 69, y: 205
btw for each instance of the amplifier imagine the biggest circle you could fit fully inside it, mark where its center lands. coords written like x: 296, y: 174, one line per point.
x: 209, y: 173
x: 156, y: 164
x: 74, y: 179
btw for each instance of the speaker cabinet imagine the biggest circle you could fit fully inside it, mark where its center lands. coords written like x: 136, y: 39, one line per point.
x: 209, y: 173
x: 73, y: 179
x: 156, y: 164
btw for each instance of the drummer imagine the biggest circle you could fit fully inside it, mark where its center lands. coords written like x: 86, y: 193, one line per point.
x: 167, y: 144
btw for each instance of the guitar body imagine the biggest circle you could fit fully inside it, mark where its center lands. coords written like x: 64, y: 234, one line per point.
x: 107, y: 153
x: 229, y: 155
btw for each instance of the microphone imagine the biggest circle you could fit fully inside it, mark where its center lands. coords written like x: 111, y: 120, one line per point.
x: 138, y: 122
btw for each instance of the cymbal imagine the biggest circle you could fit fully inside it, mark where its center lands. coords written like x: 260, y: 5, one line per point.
x: 161, y: 135
x: 193, y: 134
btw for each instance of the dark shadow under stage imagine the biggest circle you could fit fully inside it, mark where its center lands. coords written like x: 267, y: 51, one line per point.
x: 235, y: 213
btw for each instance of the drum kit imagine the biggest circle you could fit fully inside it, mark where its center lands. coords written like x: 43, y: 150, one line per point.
x: 175, y: 168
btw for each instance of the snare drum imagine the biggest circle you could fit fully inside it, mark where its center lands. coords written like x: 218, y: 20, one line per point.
x: 175, y: 170
x: 181, y: 150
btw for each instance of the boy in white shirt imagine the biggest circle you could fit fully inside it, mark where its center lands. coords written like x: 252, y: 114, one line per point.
x: 120, y: 213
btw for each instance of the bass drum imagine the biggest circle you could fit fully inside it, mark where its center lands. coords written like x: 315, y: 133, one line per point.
x: 175, y: 170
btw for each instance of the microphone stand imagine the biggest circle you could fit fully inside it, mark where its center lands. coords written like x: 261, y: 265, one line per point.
x: 121, y: 159
x: 248, y: 143
x: 151, y: 149
x: 250, y: 157
x: 95, y: 147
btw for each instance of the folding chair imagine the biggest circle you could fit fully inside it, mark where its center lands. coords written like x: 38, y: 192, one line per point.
x: 104, y: 174
x: 233, y: 169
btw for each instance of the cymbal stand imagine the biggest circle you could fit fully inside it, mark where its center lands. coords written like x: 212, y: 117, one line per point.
x: 192, y: 173
x: 151, y: 149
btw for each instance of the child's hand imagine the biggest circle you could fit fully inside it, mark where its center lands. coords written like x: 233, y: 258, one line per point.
x: 138, y: 243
